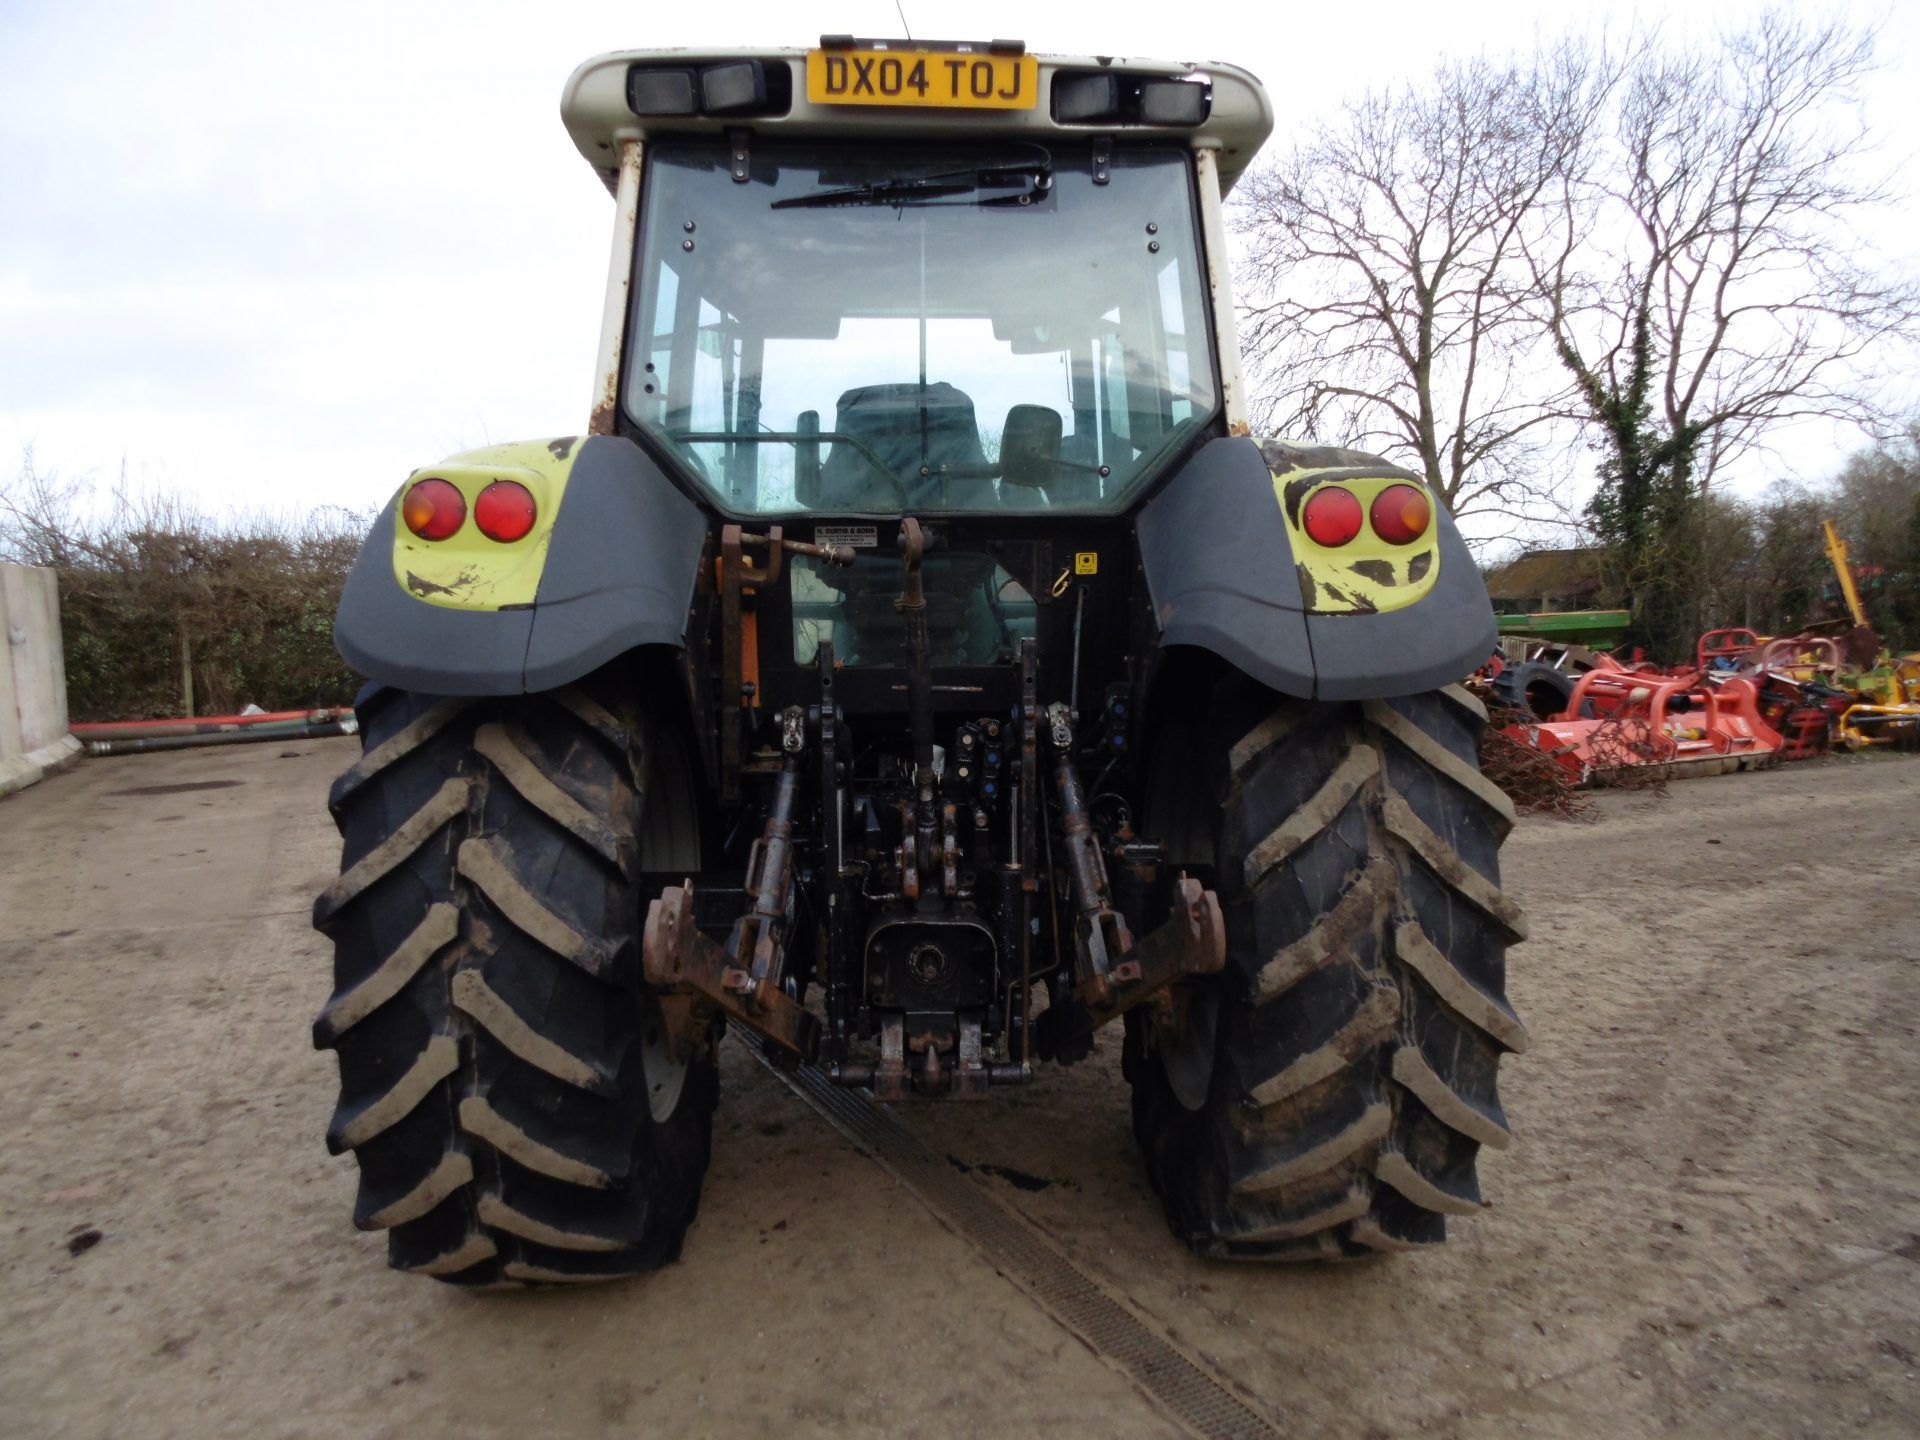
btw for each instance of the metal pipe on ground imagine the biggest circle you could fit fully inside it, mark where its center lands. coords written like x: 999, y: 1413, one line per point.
x: 199, y: 724
x: 253, y: 734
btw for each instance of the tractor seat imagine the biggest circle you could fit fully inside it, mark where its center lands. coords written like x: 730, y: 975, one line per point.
x: 909, y: 427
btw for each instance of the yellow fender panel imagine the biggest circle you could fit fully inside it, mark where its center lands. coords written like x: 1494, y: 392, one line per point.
x: 467, y: 571
x: 1366, y: 576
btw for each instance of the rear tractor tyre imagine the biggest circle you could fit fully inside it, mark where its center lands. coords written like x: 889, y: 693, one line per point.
x: 504, y: 1080
x: 1328, y: 1093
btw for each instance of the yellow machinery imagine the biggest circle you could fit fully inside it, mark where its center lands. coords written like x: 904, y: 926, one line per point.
x: 1891, y: 689
x: 1837, y: 553
x: 1893, y: 714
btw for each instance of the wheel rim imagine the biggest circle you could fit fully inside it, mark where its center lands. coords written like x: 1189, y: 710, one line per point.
x: 1186, y: 1051
x: 665, y: 1075
x: 669, y: 841
x: 1179, y: 812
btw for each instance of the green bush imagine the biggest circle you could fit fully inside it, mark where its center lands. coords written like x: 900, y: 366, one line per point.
x: 147, y: 580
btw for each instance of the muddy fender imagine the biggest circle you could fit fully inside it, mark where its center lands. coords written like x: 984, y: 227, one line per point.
x: 1231, y: 571
x: 611, y: 565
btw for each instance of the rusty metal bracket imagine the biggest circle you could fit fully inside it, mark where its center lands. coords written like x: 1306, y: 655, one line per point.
x: 837, y: 555
x: 676, y: 957
x: 740, y: 577
x: 739, y: 643
x: 1193, y: 941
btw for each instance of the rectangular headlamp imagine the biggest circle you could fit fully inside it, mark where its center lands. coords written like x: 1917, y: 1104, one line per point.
x: 738, y: 85
x: 1175, y: 102
x: 654, y: 90
x: 1086, y: 99
x: 1109, y: 97
x: 726, y: 87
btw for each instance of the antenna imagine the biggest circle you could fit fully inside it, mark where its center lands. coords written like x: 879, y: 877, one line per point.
x: 902, y: 11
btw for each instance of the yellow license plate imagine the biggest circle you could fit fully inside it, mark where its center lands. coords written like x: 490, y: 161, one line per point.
x: 951, y: 79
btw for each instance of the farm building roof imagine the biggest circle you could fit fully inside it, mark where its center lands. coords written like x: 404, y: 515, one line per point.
x: 1538, y: 574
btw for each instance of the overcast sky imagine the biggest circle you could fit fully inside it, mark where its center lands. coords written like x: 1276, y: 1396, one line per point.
x: 277, y: 256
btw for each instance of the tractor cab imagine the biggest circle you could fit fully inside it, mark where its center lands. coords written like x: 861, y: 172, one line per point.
x: 877, y: 278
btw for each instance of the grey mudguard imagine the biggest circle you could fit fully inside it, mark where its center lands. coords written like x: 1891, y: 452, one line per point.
x: 620, y: 572
x: 1219, y: 568
x: 1221, y: 575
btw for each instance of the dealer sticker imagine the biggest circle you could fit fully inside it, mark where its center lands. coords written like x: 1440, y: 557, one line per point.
x: 855, y: 537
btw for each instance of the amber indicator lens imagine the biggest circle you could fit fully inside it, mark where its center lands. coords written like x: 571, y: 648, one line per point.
x: 505, y: 511
x: 1401, y: 514
x: 433, y: 509
x: 1332, y: 516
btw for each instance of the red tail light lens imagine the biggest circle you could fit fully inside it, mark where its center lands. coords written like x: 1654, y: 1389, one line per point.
x: 505, y: 511
x: 1401, y: 514
x: 1332, y: 516
x: 433, y: 509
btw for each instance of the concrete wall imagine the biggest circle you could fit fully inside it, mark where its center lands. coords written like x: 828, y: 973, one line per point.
x: 33, y: 679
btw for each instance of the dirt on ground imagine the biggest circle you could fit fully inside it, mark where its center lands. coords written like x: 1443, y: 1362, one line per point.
x: 1709, y: 1225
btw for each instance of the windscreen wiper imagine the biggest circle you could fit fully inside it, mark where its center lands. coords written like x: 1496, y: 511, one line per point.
x: 1034, y: 178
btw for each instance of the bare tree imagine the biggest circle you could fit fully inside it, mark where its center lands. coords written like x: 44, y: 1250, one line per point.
x: 1388, y: 305
x: 1875, y: 502
x: 39, y: 522
x: 1703, y: 283
x: 1874, y: 495
x: 1788, y: 563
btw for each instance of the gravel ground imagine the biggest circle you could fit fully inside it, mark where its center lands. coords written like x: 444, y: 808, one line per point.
x: 1710, y: 1224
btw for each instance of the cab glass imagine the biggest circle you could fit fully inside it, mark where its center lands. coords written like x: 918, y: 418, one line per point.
x: 988, y: 328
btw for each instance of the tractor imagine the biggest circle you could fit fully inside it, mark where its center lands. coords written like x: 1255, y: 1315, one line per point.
x: 914, y: 668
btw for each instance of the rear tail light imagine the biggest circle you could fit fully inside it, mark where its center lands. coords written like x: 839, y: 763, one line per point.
x: 505, y: 511
x: 434, y: 509
x: 1401, y: 514
x: 1332, y: 516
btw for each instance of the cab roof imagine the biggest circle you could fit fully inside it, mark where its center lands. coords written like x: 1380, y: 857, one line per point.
x: 595, y: 109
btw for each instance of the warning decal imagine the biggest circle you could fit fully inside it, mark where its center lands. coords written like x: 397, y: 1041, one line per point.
x: 857, y: 537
